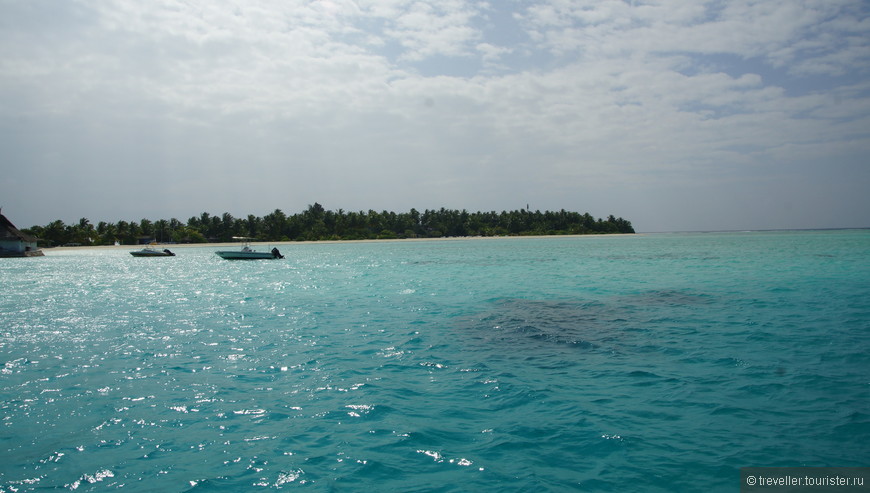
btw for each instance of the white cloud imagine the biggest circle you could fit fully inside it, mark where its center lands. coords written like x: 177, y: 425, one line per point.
x: 339, y: 96
x: 442, y: 28
x: 811, y: 35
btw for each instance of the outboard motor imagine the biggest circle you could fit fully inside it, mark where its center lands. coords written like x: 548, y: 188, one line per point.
x: 276, y: 253
x: 167, y: 252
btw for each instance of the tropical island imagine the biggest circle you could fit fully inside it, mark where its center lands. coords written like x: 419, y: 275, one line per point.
x: 317, y: 224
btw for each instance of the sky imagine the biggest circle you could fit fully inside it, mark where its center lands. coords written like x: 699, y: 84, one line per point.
x: 678, y: 116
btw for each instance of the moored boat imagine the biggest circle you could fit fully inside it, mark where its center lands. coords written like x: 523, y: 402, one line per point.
x: 152, y: 251
x: 248, y: 253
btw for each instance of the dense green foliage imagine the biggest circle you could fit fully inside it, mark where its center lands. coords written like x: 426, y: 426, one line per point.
x: 316, y: 223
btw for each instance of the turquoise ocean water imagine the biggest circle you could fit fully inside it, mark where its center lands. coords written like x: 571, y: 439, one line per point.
x: 659, y: 362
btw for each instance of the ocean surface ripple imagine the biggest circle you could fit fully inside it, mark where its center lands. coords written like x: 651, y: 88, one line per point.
x: 633, y: 363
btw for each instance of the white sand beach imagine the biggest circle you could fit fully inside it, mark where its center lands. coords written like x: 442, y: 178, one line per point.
x: 323, y: 242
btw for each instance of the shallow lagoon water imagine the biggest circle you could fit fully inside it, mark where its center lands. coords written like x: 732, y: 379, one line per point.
x: 649, y: 362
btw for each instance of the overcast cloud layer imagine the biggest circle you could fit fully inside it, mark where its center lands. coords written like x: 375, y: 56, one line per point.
x: 702, y: 115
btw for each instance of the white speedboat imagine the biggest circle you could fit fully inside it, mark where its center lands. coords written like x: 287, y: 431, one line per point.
x: 152, y: 251
x: 248, y: 253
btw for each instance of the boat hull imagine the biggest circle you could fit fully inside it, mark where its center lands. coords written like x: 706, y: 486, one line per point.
x: 152, y: 252
x: 236, y: 255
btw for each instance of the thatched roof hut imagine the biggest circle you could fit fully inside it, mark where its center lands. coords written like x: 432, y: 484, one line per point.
x: 14, y: 243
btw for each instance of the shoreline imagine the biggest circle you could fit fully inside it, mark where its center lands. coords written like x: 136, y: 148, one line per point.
x: 237, y: 244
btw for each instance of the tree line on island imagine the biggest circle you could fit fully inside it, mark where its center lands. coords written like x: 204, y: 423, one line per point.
x: 317, y: 223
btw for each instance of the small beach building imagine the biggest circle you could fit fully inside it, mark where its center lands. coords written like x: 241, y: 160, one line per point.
x: 14, y: 243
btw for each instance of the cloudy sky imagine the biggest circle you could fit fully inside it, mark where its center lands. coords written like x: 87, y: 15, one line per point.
x: 676, y: 115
